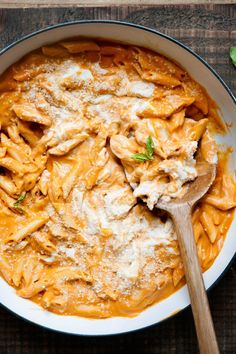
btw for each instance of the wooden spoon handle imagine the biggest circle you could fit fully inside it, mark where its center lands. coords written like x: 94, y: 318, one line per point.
x: 200, y: 306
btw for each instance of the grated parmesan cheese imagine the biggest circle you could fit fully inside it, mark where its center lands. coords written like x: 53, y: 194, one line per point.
x: 78, y: 98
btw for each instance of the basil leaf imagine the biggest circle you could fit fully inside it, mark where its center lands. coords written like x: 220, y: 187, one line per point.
x: 232, y: 54
x: 149, y: 147
x: 141, y: 157
x: 148, y: 154
x: 19, y: 200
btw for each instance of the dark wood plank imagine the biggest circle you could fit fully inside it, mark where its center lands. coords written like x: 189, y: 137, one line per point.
x: 210, y: 30
x: 81, y: 3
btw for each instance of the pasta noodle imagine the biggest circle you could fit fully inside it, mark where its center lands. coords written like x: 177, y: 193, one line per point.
x: 88, y: 130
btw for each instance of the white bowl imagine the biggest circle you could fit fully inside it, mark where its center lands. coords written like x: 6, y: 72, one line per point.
x: 207, y: 77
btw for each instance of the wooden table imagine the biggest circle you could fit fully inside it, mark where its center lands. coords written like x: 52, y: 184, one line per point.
x: 79, y: 3
x: 210, y: 30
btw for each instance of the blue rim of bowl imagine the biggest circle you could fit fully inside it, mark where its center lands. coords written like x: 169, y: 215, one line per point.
x: 225, y: 86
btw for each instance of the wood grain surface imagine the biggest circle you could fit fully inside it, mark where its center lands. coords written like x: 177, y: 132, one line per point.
x: 209, y: 30
x: 81, y: 3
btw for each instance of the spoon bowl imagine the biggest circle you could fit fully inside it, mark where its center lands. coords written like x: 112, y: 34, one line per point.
x: 196, y: 190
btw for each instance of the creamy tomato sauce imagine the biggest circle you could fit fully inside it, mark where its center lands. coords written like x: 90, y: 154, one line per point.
x: 90, y: 130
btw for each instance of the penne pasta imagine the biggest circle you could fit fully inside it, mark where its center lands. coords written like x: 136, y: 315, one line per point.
x: 31, y: 226
x: 43, y: 242
x: 14, y: 135
x: 7, y: 199
x: 7, y: 185
x: 19, y: 270
x: 80, y: 46
x: 6, y: 270
x: 166, y: 106
x: 28, y: 134
x: 3, y: 151
x: 68, y: 145
x: 12, y: 165
x: 27, y: 112
x: 208, y: 226
x: 70, y: 179
x: 90, y: 132
x: 54, y: 51
x: 15, y: 151
x: 176, y: 120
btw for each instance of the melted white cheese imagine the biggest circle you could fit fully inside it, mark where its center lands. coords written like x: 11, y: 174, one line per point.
x: 141, y: 88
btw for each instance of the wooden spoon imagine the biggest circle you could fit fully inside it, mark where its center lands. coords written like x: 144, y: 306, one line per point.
x: 180, y: 210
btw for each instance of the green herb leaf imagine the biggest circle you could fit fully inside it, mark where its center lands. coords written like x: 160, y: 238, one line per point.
x: 141, y: 157
x: 148, y: 154
x: 19, y: 200
x: 232, y: 53
x: 149, y: 147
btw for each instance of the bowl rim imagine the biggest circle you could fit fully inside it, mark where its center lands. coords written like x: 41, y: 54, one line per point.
x: 208, y: 66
